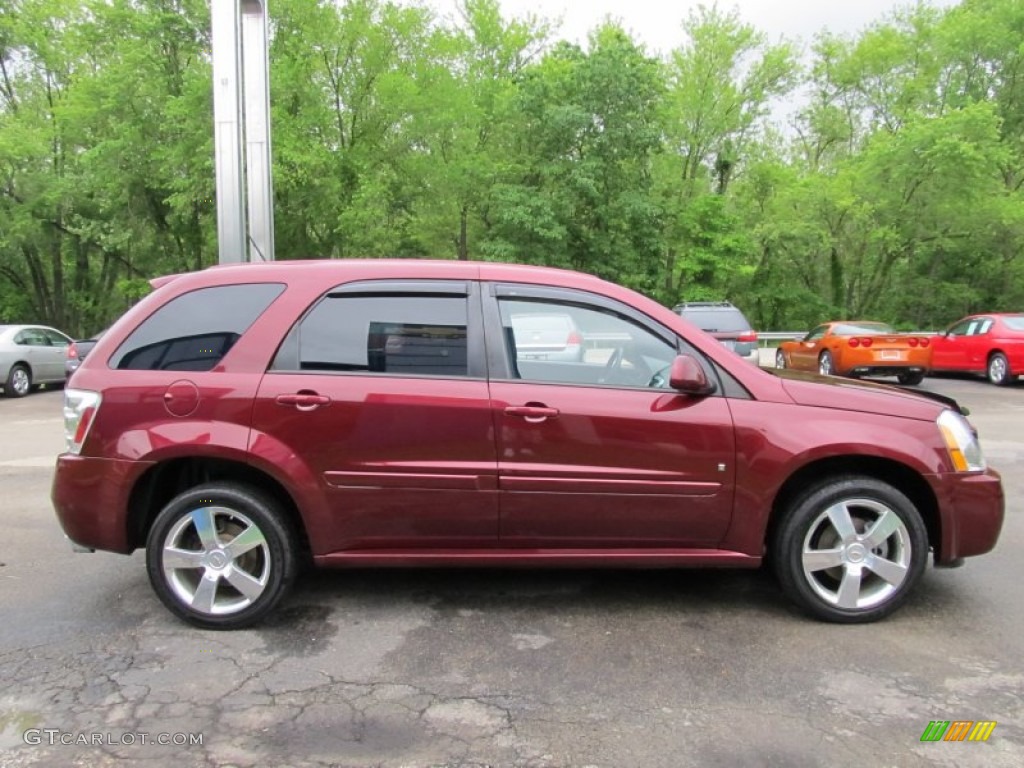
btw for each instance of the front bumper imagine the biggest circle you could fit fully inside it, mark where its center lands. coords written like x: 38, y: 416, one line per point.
x: 90, y: 497
x: 971, y: 507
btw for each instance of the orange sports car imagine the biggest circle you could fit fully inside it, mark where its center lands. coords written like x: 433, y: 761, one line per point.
x: 858, y: 348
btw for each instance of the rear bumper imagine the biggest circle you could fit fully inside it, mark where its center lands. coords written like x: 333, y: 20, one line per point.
x: 886, y: 370
x: 90, y: 497
x: 971, y: 507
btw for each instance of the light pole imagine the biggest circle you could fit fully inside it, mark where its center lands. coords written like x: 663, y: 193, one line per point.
x: 241, y: 111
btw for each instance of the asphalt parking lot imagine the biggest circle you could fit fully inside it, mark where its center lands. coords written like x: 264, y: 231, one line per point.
x: 503, y: 668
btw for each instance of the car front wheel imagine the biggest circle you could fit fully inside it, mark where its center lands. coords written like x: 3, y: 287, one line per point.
x: 999, y: 369
x: 780, y: 359
x: 850, y: 550
x: 825, y: 365
x: 221, y: 556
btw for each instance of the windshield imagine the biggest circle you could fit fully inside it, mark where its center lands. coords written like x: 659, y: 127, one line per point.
x: 717, y: 320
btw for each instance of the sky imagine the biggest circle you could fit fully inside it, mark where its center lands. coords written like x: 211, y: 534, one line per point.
x: 658, y: 23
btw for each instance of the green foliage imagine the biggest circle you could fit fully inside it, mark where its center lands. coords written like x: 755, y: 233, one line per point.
x: 896, y: 192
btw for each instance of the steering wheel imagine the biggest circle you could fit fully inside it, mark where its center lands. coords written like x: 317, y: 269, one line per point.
x: 612, y: 366
x: 660, y: 378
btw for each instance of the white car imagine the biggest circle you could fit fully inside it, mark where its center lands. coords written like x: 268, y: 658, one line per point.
x: 30, y: 355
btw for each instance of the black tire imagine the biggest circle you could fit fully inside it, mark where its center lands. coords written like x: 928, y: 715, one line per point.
x: 210, y: 586
x: 780, y: 359
x: 850, y: 589
x: 19, y: 381
x: 998, y: 369
x: 908, y: 379
x: 826, y: 366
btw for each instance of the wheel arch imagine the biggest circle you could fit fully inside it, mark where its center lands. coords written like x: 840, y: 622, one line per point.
x: 900, y: 476
x: 165, y: 480
x: 992, y: 353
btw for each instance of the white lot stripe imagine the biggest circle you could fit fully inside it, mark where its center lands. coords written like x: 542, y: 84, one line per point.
x: 32, y: 461
x: 28, y: 422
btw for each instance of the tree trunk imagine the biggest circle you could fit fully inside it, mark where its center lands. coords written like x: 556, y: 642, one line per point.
x: 463, y: 244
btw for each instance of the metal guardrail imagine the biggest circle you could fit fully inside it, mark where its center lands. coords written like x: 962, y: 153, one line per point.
x: 771, y: 338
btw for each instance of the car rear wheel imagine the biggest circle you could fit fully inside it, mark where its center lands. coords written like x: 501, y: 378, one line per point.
x: 910, y: 379
x: 825, y: 365
x: 850, y: 550
x: 221, y: 556
x: 19, y: 381
x: 999, y: 369
x: 780, y: 359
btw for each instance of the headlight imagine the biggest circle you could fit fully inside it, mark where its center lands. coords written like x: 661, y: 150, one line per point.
x: 961, y: 442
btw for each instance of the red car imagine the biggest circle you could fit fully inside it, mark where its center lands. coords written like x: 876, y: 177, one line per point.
x: 241, y: 420
x: 991, y: 344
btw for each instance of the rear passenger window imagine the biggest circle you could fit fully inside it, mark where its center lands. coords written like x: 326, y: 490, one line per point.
x: 194, y: 331
x: 396, y: 334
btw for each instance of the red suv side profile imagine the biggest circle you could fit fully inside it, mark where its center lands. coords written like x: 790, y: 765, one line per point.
x: 242, y: 420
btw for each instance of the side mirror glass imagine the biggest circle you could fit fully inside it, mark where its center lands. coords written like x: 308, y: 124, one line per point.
x: 687, y: 376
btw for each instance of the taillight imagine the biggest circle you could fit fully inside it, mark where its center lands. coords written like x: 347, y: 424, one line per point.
x: 912, y: 342
x: 854, y: 342
x: 574, y: 338
x: 925, y: 342
x: 80, y: 409
x: 72, y: 351
x: 747, y: 336
x: 866, y: 343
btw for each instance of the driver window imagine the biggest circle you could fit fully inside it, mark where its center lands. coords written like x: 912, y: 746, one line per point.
x: 564, y: 343
x: 986, y: 324
x: 816, y: 334
x: 960, y: 329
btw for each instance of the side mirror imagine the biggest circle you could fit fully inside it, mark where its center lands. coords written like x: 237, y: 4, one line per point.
x: 687, y: 376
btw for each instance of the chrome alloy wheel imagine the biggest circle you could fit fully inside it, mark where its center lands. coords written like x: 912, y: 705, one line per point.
x: 998, y: 369
x: 216, y: 561
x: 21, y: 382
x: 825, y: 364
x: 856, y: 554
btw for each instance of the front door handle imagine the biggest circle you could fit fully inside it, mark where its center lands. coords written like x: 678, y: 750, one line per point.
x: 533, y: 413
x: 303, y: 401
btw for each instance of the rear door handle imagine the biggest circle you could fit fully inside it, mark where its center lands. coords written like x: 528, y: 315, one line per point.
x: 532, y: 413
x: 303, y: 401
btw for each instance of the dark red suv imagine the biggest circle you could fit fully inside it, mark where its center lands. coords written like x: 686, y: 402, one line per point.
x: 245, y: 418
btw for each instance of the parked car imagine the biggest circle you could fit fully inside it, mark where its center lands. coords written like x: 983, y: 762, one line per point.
x: 858, y: 348
x: 552, y: 336
x: 726, y: 323
x: 991, y: 344
x: 76, y: 353
x: 30, y: 356
x: 242, y: 419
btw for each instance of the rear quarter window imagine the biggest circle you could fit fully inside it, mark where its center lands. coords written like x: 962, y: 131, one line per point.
x: 194, y: 331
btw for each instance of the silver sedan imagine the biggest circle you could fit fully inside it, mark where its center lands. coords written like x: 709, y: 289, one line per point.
x: 30, y: 355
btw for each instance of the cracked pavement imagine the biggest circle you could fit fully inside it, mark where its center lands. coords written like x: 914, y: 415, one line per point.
x: 475, y: 668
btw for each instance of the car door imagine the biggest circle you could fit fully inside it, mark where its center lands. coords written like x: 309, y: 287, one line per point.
x: 977, y: 344
x: 379, y: 393
x: 599, y: 452
x: 805, y: 353
x: 949, y: 349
